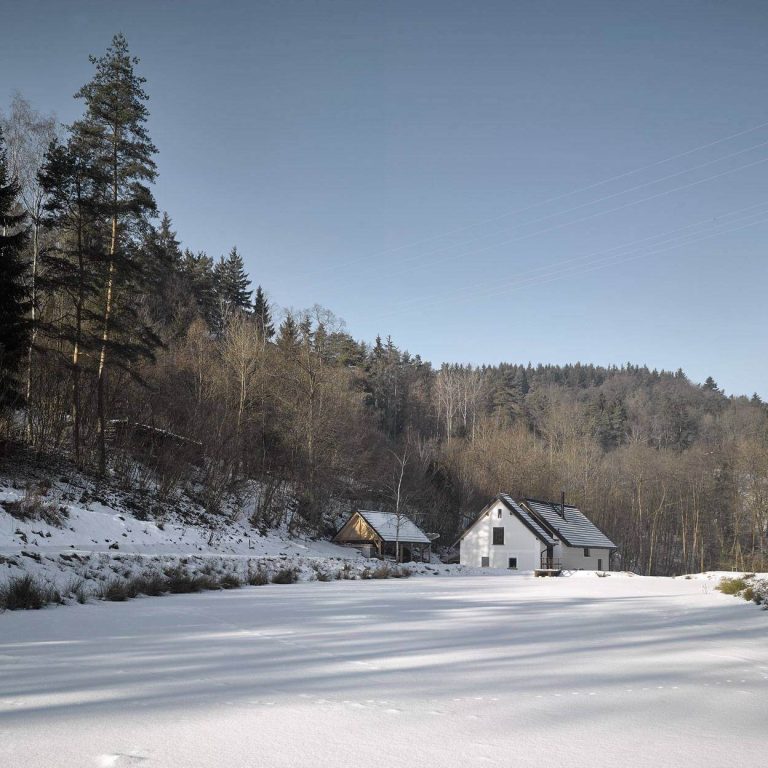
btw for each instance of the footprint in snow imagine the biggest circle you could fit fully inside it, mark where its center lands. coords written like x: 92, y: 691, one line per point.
x: 119, y: 760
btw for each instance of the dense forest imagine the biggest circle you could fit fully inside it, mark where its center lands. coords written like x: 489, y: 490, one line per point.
x: 169, y: 368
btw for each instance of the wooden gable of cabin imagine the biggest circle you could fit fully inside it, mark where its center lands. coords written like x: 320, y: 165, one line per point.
x: 357, y: 531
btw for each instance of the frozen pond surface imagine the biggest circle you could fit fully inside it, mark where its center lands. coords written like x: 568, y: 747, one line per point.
x: 468, y: 671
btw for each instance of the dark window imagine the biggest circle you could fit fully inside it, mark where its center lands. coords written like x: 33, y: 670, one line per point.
x: 599, y: 564
x: 513, y: 563
x: 498, y: 535
x: 498, y: 513
x: 485, y: 562
x: 586, y: 551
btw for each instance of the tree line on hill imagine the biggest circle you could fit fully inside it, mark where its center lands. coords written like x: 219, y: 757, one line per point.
x: 164, y: 367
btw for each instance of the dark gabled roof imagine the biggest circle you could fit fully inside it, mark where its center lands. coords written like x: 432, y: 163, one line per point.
x: 527, y: 519
x: 522, y: 514
x: 575, y: 529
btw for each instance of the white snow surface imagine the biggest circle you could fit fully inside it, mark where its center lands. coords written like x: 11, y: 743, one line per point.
x: 387, y: 525
x: 500, y: 671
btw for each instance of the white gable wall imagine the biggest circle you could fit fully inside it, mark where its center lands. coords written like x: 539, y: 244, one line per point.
x: 519, y: 542
x: 573, y: 558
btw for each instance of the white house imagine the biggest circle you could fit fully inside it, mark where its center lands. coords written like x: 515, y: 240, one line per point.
x: 533, y: 534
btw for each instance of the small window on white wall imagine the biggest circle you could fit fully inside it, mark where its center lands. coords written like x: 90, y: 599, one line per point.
x: 485, y: 562
x: 498, y: 513
x: 513, y: 563
x: 586, y: 551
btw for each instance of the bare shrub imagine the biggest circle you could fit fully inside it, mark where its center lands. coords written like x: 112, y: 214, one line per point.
x: 230, y: 581
x: 34, y: 507
x: 153, y: 584
x: 289, y: 575
x: 115, y: 590
x: 320, y: 573
x: 26, y: 593
x: 77, y: 588
x: 257, y: 577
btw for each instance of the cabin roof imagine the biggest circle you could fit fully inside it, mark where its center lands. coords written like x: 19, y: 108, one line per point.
x: 574, y: 528
x: 385, y: 525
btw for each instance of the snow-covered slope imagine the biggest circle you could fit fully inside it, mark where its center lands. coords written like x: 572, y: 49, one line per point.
x: 97, y: 537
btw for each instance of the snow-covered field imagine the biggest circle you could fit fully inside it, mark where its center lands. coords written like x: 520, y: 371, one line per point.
x: 504, y: 670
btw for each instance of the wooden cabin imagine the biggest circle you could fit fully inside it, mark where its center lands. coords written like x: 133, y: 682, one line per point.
x: 385, y: 534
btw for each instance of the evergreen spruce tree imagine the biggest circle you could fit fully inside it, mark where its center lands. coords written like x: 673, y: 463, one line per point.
x: 263, y: 315
x: 306, y: 335
x: 14, y: 302
x: 232, y: 282
x: 197, y: 270
x: 113, y: 133
x: 509, y: 392
x: 161, y: 258
x: 288, y: 336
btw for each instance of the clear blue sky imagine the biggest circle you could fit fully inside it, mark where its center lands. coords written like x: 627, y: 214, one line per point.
x: 377, y: 158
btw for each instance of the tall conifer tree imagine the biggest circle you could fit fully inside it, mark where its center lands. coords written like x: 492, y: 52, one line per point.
x: 14, y: 302
x: 232, y: 282
x: 114, y: 132
x: 263, y: 315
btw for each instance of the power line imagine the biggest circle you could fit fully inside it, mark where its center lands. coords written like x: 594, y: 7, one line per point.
x: 709, y: 221
x: 575, y: 270
x: 597, y: 214
x: 554, y: 199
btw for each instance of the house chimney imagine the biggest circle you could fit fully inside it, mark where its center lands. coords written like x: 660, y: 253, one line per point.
x: 562, y: 504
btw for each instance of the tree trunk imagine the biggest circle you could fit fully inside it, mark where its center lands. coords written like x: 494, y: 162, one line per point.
x: 33, y: 334
x: 103, y: 351
x: 76, y: 414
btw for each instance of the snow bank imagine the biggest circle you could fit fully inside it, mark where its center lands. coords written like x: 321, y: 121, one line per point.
x: 96, y: 542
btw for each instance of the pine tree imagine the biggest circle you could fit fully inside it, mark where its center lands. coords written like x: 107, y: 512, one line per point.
x: 263, y: 315
x: 232, y: 282
x: 114, y: 135
x: 14, y: 302
x: 73, y: 262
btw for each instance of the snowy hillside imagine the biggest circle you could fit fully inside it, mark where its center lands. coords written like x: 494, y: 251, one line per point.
x: 79, y: 534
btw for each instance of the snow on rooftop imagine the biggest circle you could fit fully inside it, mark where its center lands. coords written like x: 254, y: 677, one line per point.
x: 386, y: 525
